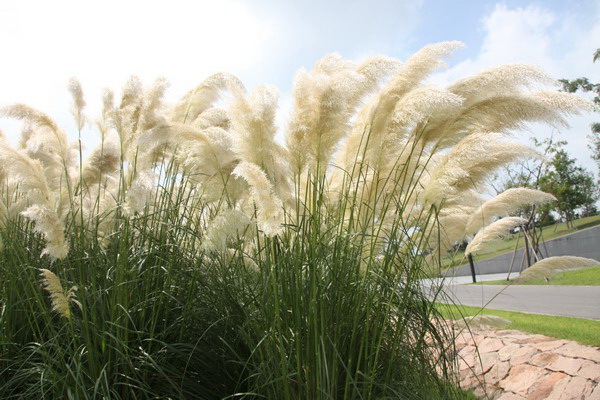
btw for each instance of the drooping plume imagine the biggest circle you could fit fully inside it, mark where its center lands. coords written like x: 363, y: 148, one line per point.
x: 43, y: 140
x: 499, y: 81
x: 505, y: 204
x: 545, y: 268
x: 470, y: 162
x: 60, y: 298
x: 269, y: 208
x: 47, y: 223
x: 204, y: 96
x: 492, y: 232
x: 37, y: 199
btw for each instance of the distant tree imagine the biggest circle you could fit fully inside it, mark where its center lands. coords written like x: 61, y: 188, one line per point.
x: 528, y: 173
x: 585, y: 85
x: 573, y: 186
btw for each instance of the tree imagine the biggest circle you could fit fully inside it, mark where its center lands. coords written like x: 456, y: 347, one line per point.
x: 527, y: 173
x: 585, y: 85
x: 573, y: 186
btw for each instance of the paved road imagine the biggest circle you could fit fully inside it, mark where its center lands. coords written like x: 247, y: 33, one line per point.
x: 571, y: 301
x: 459, y: 280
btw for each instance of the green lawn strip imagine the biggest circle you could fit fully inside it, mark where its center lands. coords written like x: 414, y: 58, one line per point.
x: 581, y: 330
x: 507, y: 244
x: 578, y: 277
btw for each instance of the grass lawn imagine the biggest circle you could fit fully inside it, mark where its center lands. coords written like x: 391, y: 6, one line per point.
x: 509, y: 242
x: 578, y: 277
x: 581, y: 330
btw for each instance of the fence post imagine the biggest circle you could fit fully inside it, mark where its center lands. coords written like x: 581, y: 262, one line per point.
x: 472, y: 267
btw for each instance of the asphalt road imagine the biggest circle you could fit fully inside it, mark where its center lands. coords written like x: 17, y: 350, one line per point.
x: 570, y: 301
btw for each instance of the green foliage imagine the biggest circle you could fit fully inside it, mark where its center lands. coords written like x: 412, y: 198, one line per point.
x: 557, y: 173
x: 573, y: 187
x: 582, y: 84
x: 308, y: 314
x: 585, y: 85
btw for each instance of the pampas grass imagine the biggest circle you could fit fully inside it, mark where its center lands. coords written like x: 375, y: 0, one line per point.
x: 492, y: 232
x: 214, y: 261
x: 505, y: 204
x: 59, y: 297
x: 470, y: 162
x: 547, y: 267
x: 269, y: 213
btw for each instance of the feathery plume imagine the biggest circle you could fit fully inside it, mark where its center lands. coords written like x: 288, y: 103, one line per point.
x: 492, y: 232
x: 498, y: 81
x: 165, y: 138
x: 269, y: 207
x: 48, y: 224
x: 103, y: 161
x: 374, y: 120
x: 413, y: 71
x: 452, y: 230
x: 152, y: 101
x: 209, y: 160
x: 25, y: 113
x: 481, y: 322
x: 253, y: 123
x: 141, y: 191
x: 324, y: 101
x: 108, y: 103
x: 126, y: 118
x: 44, y: 141
x: 59, y: 297
x: 470, y: 162
x: 505, y: 204
x: 206, y: 156
x: 78, y: 103
x: 226, y: 228
x: 106, y: 116
x: 420, y: 104
x: 27, y: 172
x: 138, y: 113
x: 545, y: 268
x: 216, y: 117
x: 564, y: 103
x: 411, y: 113
x: 374, y: 70
x: 204, y: 96
x: 132, y: 92
x: 504, y: 112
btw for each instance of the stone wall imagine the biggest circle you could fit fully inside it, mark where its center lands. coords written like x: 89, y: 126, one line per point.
x: 512, y: 365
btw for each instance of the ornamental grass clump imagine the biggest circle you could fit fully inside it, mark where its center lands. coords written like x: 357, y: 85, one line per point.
x: 212, y: 261
x: 547, y: 267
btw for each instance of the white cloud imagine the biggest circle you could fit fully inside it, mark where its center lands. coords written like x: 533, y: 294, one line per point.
x: 561, y: 44
x: 104, y: 42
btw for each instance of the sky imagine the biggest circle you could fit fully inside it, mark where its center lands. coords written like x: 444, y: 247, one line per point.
x: 44, y: 43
